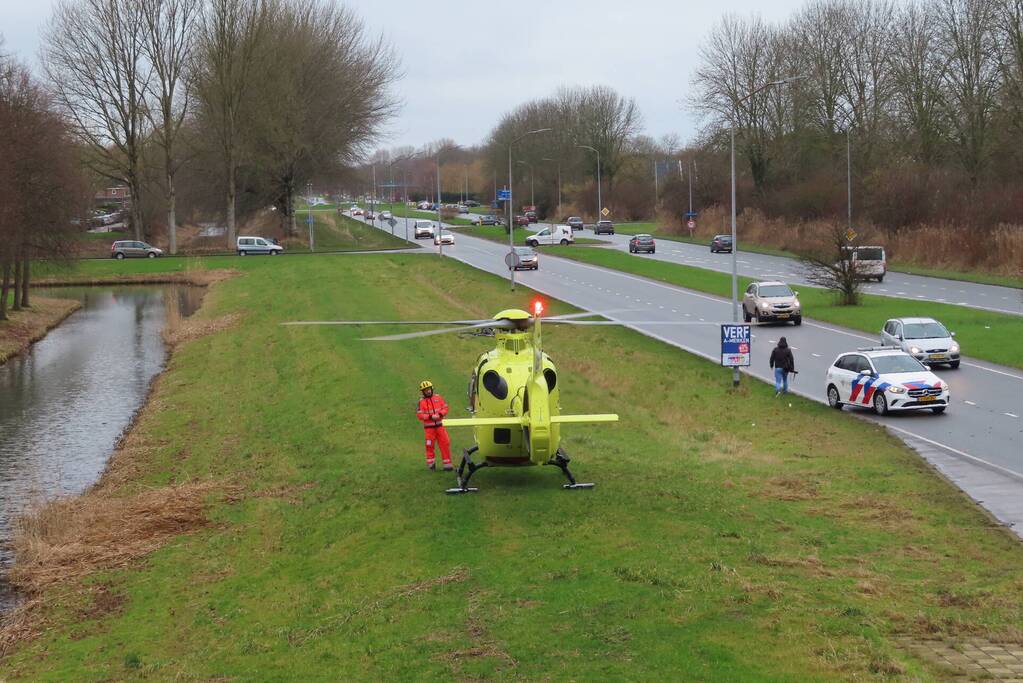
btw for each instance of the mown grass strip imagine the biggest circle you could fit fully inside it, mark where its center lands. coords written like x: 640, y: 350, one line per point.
x: 776, y: 549
x: 982, y: 334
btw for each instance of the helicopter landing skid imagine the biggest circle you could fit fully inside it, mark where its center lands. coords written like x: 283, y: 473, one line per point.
x: 467, y: 463
x: 561, y: 460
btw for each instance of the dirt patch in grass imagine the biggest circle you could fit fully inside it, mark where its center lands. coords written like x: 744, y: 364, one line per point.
x: 196, y: 277
x: 790, y: 488
x: 27, y: 326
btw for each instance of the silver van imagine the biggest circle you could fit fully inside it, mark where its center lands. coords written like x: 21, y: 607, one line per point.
x: 423, y: 229
x: 869, y: 263
x: 133, y: 249
x: 248, y: 244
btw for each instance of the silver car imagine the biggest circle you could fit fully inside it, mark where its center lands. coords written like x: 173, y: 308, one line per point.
x: 925, y: 339
x: 133, y: 249
x: 771, y: 301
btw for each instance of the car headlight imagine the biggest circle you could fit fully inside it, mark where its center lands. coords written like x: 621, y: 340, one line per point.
x: 954, y: 348
x: 897, y: 390
x: 796, y: 303
x: 764, y: 305
x: 914, y: 349
x: 943, y: 385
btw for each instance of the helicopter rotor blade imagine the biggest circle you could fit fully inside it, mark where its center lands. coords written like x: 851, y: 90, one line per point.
x: 502, y: 324
x: 386, y: 322
x: 629, y: 322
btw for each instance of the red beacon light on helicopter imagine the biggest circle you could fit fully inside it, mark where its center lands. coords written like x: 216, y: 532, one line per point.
x: 537, y: 308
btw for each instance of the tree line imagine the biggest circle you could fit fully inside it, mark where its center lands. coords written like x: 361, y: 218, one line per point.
x: 924, y: 97
x: 41, y: 187
x: 234, y: 104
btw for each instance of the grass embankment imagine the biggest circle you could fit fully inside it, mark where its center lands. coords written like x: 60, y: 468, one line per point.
x: 334, y: 232
x: 893, y: 266
x: 982, y: 334
x: 29, y: 325
x: 776, y: 549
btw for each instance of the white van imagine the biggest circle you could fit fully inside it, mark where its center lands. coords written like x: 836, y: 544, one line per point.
x: 423, y: 229
x: 869, y: 262
x: 554, y: 234
x: 248, y: 244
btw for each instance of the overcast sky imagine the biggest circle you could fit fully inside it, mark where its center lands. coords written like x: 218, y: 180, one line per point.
x: 466, y: 63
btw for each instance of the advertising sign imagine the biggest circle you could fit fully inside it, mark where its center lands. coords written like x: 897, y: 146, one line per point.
x: 735, y: 345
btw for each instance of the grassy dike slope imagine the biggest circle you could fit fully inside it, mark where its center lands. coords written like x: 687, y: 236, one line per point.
x: 731, y: 536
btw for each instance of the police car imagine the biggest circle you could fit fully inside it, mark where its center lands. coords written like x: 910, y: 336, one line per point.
x: 884, y: 378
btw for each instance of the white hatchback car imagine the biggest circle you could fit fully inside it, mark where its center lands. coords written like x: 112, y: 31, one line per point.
x: 884, y: 378
x: 445, y: 237
x: 925, y: 339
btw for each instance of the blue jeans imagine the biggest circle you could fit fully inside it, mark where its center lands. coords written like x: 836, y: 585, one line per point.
x: 781, y: 380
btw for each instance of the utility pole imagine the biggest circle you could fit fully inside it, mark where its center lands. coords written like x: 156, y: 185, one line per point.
x: 600, y: 203
x: 511, y: 224
x: 657, y: 192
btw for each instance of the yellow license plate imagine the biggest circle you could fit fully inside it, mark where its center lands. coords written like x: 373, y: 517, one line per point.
x: 937, y: 356
x: 927, y: 398
x: 783, y: 315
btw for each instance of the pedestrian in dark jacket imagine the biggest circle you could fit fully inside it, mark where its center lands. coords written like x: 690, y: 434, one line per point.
x: 783, y: 363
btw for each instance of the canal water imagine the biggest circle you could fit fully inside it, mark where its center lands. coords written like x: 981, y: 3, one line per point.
x: 65, y: 403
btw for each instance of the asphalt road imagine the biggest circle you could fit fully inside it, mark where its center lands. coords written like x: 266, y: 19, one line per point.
x: 764, y: 267
x: 978, y: 442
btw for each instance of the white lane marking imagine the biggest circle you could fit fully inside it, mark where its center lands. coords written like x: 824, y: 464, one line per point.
x: 674, y: 311
x: 795, y: 348
x: 969, y: 403
x: 997, y: 372
x: 999, y: 468
x: 1011, y: 415
x: 815, y: 355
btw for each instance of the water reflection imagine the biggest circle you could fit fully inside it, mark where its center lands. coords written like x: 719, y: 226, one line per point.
x: 64, y: 404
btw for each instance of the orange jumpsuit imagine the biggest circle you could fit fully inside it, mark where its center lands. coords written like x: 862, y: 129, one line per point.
x: 431, y: 413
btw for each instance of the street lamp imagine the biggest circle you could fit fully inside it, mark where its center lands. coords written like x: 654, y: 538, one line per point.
x: 558, y: 161
x: 735, y: 246
x: 511, y: 224
x: 599, y: 202
x: 532, y: 199
x: 404, y: 184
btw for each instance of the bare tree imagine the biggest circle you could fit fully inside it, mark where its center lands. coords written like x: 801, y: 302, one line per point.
x: 740, y: 57
x: 918, y: 71
x: 169, y: 27
x: 228, y: 40
x: 94, y: 56
x: 970, y: 45
x: 323, y: 48
x: 832, y: 266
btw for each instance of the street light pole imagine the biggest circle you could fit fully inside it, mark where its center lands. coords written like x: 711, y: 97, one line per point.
x: 440, y: 226
x: 511, y: 225
x: 735, y: 244
x: 600, y: 202
x: 848, y: 176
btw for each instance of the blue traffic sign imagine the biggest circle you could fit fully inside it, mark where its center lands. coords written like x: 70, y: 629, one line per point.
x: 735, y: 345
x: 692, y: 214
x: 504, y: 195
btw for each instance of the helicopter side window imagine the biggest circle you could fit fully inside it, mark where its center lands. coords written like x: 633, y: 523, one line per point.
x: 552, y: 379
x: 495, y: 384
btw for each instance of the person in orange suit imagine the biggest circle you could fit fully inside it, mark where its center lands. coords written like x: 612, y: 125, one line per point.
x: 431, y: 411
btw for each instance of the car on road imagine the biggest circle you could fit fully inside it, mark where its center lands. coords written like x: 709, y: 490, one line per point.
x: 721, y: 243
x: 869, y: 263
x: 528, y: 258
x: 575, y: 222
x: 555, y: 234
x: 385, y: 215
x: 424, y: 206
x: 488, y: 219
x: 642, y: 243
x: 771, y: 301
x: 356, y: 211
x: 925, y: 339
x: 521, y: 220
x: 462, y: 208
x: 249, y: 244
x: 422, y: 229
x: 604, y: 226
x: 444, y: 237
x: 471, y: 203
x: 886, y: 379
x: 122, y: 249
x: 370, y: 216
x: 531, y: 215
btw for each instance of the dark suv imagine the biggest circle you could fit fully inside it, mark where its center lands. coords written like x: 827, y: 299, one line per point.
x: 642, y: 243
x: 721, y: 243
x: 574, y: 222
x: 604, y: 227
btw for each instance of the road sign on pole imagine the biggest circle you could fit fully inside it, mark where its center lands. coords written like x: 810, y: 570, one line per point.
x: 850, y: 234
x: 735, y: 345
x: 503, y: 195
x: 605, y: 212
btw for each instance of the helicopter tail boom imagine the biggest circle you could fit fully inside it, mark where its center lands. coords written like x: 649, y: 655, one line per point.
x: 563, y: 419
x: 484, y: 422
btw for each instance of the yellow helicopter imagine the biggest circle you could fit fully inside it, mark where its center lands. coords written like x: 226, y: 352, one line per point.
x: 514, y: 396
